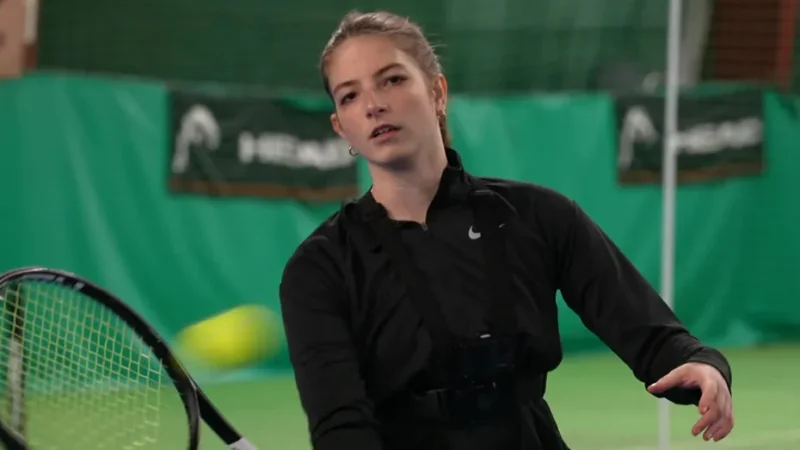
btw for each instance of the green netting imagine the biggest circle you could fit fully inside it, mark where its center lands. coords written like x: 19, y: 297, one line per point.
x: 497, y: 45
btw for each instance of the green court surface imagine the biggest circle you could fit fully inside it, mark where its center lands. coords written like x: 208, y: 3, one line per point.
x: 598, y: 404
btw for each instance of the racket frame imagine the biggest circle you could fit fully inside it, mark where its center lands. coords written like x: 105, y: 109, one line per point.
x: 14, y: 305
x: 196, y: 403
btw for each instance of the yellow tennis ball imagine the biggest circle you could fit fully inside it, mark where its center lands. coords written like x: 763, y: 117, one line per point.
x: 238, y: 337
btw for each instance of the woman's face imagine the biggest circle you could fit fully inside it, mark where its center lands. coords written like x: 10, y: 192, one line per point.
x: 386, y: 107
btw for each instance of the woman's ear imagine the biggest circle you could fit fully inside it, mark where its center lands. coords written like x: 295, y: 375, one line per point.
x: 337, y: 127
x: 440, y: 93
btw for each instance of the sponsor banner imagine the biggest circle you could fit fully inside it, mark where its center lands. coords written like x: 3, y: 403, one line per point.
x: 248, y: 146
x: 719, y: 136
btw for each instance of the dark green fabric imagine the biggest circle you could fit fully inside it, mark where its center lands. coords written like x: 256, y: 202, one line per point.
x: 85, y: 166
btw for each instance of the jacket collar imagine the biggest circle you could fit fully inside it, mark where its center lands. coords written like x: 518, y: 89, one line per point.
x: 454, y: 188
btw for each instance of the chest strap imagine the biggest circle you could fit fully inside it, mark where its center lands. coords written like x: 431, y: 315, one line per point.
x: 488, y: 211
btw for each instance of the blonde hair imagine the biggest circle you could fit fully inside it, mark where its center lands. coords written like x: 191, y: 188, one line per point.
x: 407, y: 35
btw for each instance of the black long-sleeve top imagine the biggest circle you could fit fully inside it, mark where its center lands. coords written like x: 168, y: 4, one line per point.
x: 355, y: 338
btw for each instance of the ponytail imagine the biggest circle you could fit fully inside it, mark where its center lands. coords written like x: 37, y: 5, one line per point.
x: 446, y: 138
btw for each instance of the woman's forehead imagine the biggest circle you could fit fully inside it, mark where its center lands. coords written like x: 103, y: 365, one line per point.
x: 364, y: 57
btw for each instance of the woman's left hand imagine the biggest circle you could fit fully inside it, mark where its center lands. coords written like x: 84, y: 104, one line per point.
x: 716, y: 407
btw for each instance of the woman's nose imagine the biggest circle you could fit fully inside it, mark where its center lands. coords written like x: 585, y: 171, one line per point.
x: 375, y: 105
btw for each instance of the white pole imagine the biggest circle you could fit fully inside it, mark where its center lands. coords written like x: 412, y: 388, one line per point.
x: 669, y: 181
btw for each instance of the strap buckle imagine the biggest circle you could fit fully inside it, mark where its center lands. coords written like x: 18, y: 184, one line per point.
x: 491, y: 401
x: 477, y: 361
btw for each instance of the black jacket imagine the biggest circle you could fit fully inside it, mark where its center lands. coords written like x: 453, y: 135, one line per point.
x: 355, y: 338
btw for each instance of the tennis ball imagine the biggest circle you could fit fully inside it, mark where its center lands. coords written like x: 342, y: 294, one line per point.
x: 239, y: 337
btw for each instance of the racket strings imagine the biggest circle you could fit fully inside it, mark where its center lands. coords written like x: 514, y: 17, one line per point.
x: 89, y: 382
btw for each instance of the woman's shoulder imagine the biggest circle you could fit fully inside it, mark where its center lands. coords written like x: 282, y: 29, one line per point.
x: 322, y: 249
x: 530, y: 198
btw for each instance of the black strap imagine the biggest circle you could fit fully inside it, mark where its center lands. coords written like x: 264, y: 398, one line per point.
x: 421, y: 294
x: 480, y: 404
x: 489, y: 212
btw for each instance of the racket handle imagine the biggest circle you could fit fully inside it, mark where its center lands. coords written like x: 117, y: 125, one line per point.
x: 242, y: 444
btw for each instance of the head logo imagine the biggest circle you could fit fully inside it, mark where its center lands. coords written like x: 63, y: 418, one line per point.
x: 199, y: 128
x: 637, y: 126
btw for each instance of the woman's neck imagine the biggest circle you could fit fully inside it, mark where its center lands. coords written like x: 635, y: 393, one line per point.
x: 407, y: 194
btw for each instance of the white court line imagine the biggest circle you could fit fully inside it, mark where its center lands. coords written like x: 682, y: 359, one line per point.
x: 750, y: 442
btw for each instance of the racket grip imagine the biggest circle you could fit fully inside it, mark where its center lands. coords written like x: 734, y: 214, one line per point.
x: 242, y: 444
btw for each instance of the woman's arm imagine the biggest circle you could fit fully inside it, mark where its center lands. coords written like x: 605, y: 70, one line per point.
x: 616, y: 303
x: 321, y: 348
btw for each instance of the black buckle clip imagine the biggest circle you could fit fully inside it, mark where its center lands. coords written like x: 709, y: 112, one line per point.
x: 482, y: 360
x: 488, y: 402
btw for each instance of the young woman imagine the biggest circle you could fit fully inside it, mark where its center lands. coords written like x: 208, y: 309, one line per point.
x: 423, y: 315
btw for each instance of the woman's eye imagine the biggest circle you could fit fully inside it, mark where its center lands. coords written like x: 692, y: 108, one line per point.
x: 347, y: 98
x: 396, y: 79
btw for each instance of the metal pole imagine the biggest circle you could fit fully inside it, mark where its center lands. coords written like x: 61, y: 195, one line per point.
x: 669, y: 181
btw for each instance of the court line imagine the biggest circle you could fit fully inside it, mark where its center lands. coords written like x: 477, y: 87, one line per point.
x: 755, y: 441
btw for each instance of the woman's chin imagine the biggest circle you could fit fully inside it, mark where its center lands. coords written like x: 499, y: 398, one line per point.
x: 395, y: 155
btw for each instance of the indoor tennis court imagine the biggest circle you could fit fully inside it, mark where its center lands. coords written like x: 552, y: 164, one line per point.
x: 597, y: 404
x: 137, y: 142
x: 595, y: 400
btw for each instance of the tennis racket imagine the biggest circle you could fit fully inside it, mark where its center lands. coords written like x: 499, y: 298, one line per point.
x: 79, y: 369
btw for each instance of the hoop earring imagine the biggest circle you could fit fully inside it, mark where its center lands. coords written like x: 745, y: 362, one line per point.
x: 352, y: 152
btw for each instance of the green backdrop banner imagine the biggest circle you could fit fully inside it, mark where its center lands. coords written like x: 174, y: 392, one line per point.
x: 84, y: 182
x: 736, y: 277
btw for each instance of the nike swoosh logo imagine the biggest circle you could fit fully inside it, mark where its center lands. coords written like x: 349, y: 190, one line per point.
x: 477, y: 235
